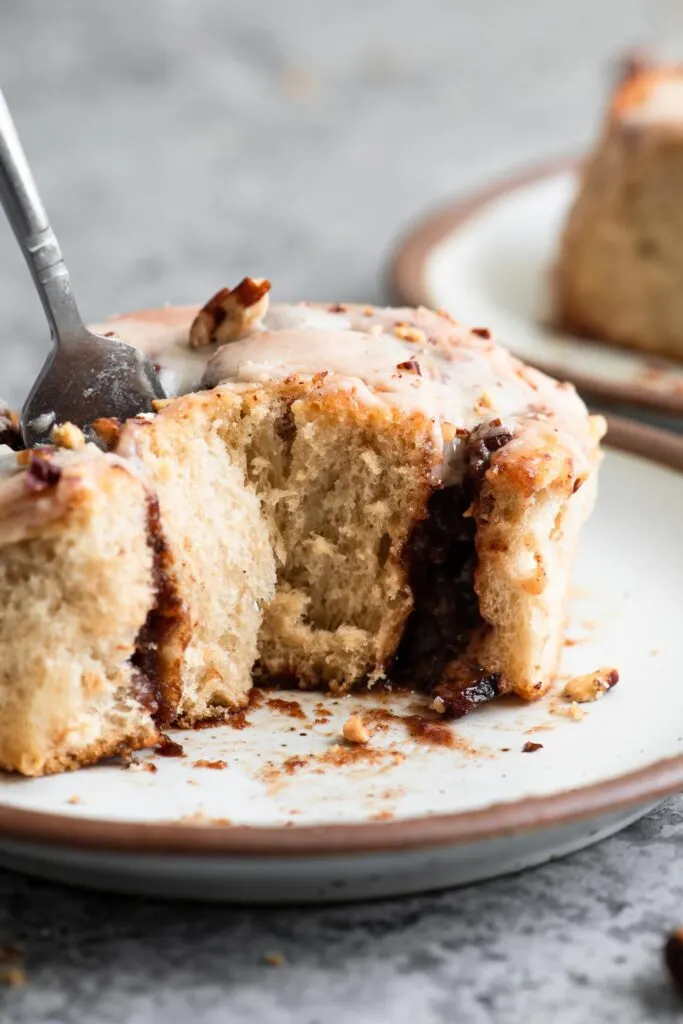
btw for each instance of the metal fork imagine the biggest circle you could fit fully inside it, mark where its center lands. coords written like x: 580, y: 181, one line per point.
x: 85, y: 376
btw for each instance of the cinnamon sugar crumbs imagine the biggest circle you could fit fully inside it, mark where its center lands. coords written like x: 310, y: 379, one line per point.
x: 237, y: 719
x: 434, y: 734
x: 274, y: 959
x: 75, y: 799
x: 573, y: 710
x: 382, y: 816
x: 216, y: 765
x: 142, y: 766
x: 202, y: 818
x: 426, y: 729
x: 338, y: 756
x: 292, y: 708
x: 169, y: 748
x: 322, y: 714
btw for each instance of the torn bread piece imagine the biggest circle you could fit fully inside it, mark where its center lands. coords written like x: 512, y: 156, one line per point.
x: 77, y: 578
x: 222, y: 561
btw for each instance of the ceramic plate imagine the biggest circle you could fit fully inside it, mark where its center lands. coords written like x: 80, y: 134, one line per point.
x: 277, y: 808
x: 488, y: 261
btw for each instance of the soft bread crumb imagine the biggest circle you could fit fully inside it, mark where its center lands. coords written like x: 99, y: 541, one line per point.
x: 354, y: 731
x: 592, y: 686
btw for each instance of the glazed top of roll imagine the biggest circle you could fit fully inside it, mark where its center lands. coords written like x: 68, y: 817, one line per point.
x: 413, y: 360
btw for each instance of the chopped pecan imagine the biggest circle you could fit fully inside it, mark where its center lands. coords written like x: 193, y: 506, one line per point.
x: 592, y: 686
x: 68, y: 435
x: 107, y: 429
x: 41, y: 474
x: 410, y: 366
x: 230, y: 313
x: 354, y: 731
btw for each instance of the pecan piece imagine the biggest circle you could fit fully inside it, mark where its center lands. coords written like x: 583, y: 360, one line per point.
x: 230, y: 313
x: 107, y: 429
x: 354, y: 730
x: 41, y: 474
x: 68, y: 435
x: 592, y: 686
x: 410, y: 366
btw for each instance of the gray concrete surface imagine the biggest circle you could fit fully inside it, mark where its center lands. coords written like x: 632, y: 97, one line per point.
x: 180, y: 145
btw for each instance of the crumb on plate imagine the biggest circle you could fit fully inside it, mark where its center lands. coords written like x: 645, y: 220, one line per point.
x: 354, y: 731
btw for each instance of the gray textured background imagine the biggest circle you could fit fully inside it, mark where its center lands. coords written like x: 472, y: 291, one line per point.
x: 180, y: 145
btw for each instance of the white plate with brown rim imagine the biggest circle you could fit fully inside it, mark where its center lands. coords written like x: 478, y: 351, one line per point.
x: 280, y: 810
x: 488, y: 260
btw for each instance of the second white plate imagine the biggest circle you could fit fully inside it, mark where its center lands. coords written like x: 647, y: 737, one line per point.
x: 488, y: 261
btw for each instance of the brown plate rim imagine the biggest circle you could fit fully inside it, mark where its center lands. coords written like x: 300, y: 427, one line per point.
x: 647, y: 785
x: 406, y: 280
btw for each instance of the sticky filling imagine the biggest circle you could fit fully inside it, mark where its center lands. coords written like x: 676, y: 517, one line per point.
x: 442, y: 558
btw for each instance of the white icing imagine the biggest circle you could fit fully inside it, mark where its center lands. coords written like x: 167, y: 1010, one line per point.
x: 661, y: 103
x: 181, y: 367
x: 464, y: 379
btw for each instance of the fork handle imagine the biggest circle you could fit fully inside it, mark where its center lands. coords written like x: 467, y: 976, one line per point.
x: 29, y: 221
